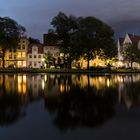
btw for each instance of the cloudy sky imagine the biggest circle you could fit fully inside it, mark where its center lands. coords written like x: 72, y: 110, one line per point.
x: 36, y: 15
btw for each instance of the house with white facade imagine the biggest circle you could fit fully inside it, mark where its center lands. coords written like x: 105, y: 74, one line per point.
x: 35, y: 56
x: 121, y: 43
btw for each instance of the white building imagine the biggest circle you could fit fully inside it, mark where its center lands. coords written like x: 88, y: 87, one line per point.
x: 54, y: 50
x: 122, y: 42
x: 35, y: 56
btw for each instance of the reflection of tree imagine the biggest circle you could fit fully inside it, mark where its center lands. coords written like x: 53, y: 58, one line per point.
x: 81, y: 107
x: 10, y: 105
x: 10, y: 108
x: 130, y: 93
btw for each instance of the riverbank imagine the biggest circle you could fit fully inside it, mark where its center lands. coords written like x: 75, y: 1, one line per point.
x: 27, y: 70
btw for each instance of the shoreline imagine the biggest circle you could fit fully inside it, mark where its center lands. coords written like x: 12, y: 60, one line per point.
x: 65, y: 71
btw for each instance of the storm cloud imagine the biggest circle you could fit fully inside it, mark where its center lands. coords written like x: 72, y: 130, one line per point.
x: 36, y: 15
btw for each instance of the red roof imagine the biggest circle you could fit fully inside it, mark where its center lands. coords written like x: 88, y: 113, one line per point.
x: 39, y: 46
x: 134, y: 38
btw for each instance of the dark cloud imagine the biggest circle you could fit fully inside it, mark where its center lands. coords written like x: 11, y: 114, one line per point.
x: 122, y: 15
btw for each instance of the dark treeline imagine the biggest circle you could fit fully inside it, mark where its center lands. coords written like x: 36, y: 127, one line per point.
x: 82, y: 37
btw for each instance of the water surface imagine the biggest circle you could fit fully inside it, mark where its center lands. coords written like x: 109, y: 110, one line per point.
x: 84, y: 107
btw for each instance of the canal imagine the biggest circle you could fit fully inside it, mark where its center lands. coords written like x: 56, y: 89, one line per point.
x: 69, y: 106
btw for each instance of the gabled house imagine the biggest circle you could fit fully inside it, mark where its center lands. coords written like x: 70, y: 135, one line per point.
x: 35, y: 56
x: 122, y: 42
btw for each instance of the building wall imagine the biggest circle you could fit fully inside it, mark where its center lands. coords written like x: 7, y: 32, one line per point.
x: 17, y: 57
x: 35, y: 59
x: 54, y: 50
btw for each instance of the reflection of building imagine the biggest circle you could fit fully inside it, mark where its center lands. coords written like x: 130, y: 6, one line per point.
x: 35, y: 56
x: 35, y: 85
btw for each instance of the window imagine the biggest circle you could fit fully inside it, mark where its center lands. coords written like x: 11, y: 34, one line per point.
x: 23, y: 54
x: 57, y: 54
x: 30, y: 56
x: 19, y: 47
x: 34, y: 56
x: 34, y: 63
x: 10, y: 56
x: 30, y: 63
x: 23, y: 47
x: 15, y: 57
x: 34, y: 49
x: 39, y: 56
x: 19, y: 54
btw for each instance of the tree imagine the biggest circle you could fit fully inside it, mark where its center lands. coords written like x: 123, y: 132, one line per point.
x: 64, y: 27
x: 33, y: 40
x: 51, y: 38
x: 95, y: 36
x: 10, y: 33
x: 83, y: 36
x: 130, y: 54
x: 48, y: 59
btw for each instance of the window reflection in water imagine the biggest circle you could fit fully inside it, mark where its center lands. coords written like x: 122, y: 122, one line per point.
x: 77, y: 98
x: 22, y: 84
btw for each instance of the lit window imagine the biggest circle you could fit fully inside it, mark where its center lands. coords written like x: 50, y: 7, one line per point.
x: 10, y: 56
x: 19, y: 54
x: 23, y: 54
x: 24, y: 63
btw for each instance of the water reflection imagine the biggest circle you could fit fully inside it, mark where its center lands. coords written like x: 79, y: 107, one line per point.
x: 78, y: 107
x: 74, y: 100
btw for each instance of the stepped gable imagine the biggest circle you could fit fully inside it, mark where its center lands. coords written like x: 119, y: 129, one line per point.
x: 39, y: 46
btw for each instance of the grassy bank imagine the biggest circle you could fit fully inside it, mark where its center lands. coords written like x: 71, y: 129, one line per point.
x: 24, y: 70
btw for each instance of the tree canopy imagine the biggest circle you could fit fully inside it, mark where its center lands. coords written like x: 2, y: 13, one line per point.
x: 130, y: 53
x: 10, y: 33
x: 83, y: 36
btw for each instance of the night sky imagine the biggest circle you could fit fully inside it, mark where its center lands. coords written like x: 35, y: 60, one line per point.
x: 36, y: 15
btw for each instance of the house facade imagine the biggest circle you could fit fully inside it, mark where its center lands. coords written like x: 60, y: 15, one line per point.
x: 121, y: 43
x: 17, y: 57
x: 35, y: 56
